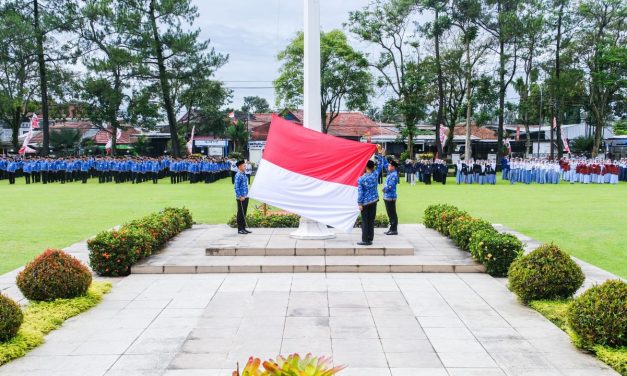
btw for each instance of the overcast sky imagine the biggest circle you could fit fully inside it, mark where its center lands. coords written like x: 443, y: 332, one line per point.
x: 252, y: 32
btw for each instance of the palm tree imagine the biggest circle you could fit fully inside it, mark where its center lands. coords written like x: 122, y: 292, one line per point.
x: 65, y: 139
x: 238, y: 133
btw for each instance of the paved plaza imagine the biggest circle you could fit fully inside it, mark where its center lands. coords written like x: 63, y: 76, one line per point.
x: 392, y: 324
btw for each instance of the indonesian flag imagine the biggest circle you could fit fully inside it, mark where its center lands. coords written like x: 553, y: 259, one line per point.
x: 442, y: 135
x: 109, y: 145
x: 508, y: 145
x: 232, y: 117
x: 311, y: 174
x: 34, y: 122
x: 517, y: 133
x: 25, y: 149
x: 565, y: 142
x: 190, y: 143
x: 554, y: 122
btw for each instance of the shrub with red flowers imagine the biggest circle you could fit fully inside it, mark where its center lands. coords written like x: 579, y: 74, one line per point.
x: 112, y: 253
x: 53, y: 275
x: 11, y: 318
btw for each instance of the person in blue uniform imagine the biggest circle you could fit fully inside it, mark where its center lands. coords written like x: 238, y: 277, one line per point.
x: 390, y: 196
x: 241, y: 196
x: 368, y: 196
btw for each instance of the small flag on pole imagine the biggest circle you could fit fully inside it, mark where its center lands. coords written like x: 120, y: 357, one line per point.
x: 554, y: 122
x: 34, y: 122
x: 190, y: 143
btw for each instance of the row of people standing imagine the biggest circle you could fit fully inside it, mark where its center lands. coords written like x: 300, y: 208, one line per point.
x: 587, y: 171
x: 475, y: 172
x: 108, y: 169
x: 424, y: 171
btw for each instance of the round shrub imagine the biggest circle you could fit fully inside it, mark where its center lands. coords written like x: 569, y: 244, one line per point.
x: 495, y: 250
x: 11, y: 318
x: 112, y: 253
x: 545, y: 273
x: 160, y: 227
x: 54, y: 275
x: 432, y: 214
x: 599, y: 315
x: 461, y: 229
x: 183, y: 215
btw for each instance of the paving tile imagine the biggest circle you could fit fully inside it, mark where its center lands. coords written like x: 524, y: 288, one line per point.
x: 361, y: 359
x: 419, y: 372
x: 413, y: 360
x: 467, y: 359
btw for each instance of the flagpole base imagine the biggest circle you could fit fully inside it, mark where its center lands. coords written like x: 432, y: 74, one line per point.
x: 311, y: 230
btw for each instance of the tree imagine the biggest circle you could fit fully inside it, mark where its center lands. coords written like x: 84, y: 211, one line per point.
x: 435, y: 30
x: 465, y: 14
x: 18, y: 82
x: 256, y: 105
x: 345, y: 78
x: 500, y: 20
x: 170, y: 55
x: 602, y: 43
x: 65, y: 139
x: 388, y: 25
x: 532, y: 43
x: 238, y: 134
x: 49, y: 18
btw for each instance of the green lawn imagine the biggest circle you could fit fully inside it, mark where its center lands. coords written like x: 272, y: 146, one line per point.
x: 589, y: 222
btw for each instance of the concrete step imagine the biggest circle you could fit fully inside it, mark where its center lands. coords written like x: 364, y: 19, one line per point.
x: 311, y: 250
x: 312, y: 264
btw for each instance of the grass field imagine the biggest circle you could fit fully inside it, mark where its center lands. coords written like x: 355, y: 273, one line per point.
x: 589, y: 222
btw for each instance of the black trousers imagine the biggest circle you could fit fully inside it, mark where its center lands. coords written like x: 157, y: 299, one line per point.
x: 368, y: 213
x: 390, y: 208
x: 233, y: 177
x: 242, y: 208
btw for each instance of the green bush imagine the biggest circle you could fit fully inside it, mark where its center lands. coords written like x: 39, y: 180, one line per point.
x: 545, y: 273
x: 495, y: 250
x: 54, y: 275
x: 461, y: 229
x: 615, y: 358
x: 112, y: 253
x: 439, y: 217
x: 185, y: 220
x: 380, y: 221
x: 11, y: 318
x: 160, y: 227
x: 599, y: 315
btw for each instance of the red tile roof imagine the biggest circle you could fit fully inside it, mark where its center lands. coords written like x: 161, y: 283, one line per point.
x: 482, y: 133
x: 127, y: 137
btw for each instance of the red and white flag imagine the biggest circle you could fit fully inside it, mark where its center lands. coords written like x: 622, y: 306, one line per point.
x: 311, y: 174
x: 34, y: 122
x: 554, y: 122
x: 190, y: 143
x: 109, y: 145
x: 442, y: 135
x: 565, y: 142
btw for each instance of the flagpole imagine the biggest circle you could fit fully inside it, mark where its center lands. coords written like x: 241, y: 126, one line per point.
x: 308, y: 229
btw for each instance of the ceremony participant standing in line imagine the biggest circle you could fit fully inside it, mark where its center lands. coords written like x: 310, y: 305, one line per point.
x: 390, y: 196
x: 367, y: 198
x: 233, y: 170
x: 241, y: 196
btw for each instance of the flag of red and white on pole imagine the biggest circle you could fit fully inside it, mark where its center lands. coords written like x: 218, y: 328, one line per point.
x: 565, y: 142
x: 109, y: 145
x: 190, y: 143
x: 554, y: 122
x: 508, y: 145
x: 34, y: 122
x: 232, y: 117
x: 517, y: 133
x: 311, y: 174
x: 442, y: 135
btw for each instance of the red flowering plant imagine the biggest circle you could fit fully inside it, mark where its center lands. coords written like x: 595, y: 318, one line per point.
x: 53, y: 275
x: 112, y: 253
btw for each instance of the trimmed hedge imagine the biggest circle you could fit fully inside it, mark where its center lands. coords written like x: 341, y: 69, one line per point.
x: 112, y: 253
x: 54, y: 275
x: 256, y: 219
x: 599, y: 315
x: 461, y: 229
x: 11, y: 318
x: 545, y: 273
x: 495, y: 250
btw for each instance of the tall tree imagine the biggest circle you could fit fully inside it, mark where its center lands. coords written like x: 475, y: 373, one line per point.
x: 389, y: 25
x: 18, y: 80
x: 465, y: 14
x: 256, y: 105
x: 500, y: 20
x: 345, y: 78
x: 169, y: 52
x: 602, y: 42
x: 50, y: 17
x: 532, y: 44
x: 435, y: 30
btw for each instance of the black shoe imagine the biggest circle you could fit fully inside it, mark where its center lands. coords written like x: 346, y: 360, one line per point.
x: 242, y: 232
x: 248, y: 231
x: 364, y: 243
x: 391, y: 233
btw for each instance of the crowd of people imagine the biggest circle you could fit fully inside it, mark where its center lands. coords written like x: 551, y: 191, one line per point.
x: 475, y: 172
x: 424, y: 171
x: 111, y: 169
x: 576, y: 170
